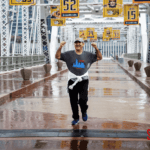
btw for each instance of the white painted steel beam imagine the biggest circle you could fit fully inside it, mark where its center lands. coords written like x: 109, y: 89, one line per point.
x: 4, y: 7
x: 25, y: 31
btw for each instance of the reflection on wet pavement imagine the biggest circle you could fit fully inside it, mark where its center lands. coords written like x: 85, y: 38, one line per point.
x: 139, y: 76
x: 74, y: 144
x: 13, y: 80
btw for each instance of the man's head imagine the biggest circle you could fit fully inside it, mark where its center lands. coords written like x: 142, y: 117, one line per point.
x: 107, y: 32
x: 112, y: 3
x: 78, y: 44
x: 57, y: 13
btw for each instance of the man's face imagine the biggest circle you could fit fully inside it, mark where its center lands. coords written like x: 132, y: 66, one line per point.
x: 78, y: 45
x: 112, y: 3
x: 90, y: 32
x: 57, y: 13
x: 107, y: 32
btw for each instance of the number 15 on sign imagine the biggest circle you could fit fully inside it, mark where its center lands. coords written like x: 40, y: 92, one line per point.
x: 131, y: 14
x: 69, y: 8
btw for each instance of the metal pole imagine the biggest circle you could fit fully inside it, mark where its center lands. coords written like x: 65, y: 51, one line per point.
x: 113, y: 49
x: 108, y: 49
x: 34, y: 38
x: 123, y: 48
x: 101, y: 48
x: 16, y: 31
x: 33, y: 23
x: 4, y: 7
x: 11, y: 28
x: 39, y: 29
x: 118, y: 48
x: 44, y: 35
x: 25, y: 31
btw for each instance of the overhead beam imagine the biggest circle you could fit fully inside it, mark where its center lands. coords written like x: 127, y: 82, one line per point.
x: 81, y: 4
x: 90, y: 7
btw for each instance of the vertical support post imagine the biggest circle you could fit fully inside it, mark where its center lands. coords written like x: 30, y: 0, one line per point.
x: 16, y: 32
x: 11, y: 28
x: 4, y: 7
x: 32, y: 28
x: 108, y: 49
x: 105, y: 45
x: 39, y: 29
x: 34, y: 37
x: 64, y: 33
x: 101, y: 48
x: 148, y: 44
x: 123, y: 48
x: 44, y: 35
x: 25, y: 31
x: 89, y: 47
x: 54, y: 43
x: 60, y: 36
x: 113, y: 49
x: 118, y: 48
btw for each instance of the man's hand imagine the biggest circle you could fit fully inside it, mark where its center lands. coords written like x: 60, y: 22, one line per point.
x: 58, y: 53
x: 94, y: 45
x: 62, y: 44
x: 98, y: 53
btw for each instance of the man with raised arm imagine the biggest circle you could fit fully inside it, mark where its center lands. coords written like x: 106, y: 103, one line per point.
x: 78, y: 63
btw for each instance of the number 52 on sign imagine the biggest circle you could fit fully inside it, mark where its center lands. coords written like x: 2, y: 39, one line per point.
x: 69, y: 8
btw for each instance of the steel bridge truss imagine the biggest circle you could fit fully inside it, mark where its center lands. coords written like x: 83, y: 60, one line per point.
x: 34, y: 31
x: 31, y: 39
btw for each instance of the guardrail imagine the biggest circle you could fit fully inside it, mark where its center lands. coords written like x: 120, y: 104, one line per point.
x: 17, y: 62
x: 133, y: 55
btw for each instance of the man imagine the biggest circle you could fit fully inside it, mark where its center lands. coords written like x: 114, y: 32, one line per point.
x: 78, y: 63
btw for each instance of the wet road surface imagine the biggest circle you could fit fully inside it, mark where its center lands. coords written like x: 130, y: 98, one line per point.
x: 116, y: 102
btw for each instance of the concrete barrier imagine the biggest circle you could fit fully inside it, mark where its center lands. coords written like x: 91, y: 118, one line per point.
x: 59, y: 64
x: 47, y: 68
x: 130, y: 63
x: 25, y: 73
x: 147, y: 71
x: 137, y: 66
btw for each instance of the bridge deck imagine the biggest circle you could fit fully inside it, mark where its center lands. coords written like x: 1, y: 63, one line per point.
x: 116, y: 104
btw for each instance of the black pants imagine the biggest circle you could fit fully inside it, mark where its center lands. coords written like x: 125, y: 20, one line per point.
x: 80, y: 88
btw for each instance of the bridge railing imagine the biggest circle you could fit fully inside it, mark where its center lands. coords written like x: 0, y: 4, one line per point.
x: 133, y: 55
x: 17, y: 62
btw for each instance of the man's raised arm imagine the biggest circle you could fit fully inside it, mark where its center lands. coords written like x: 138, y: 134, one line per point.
x: 58, y: 53
x: 98, y: 53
